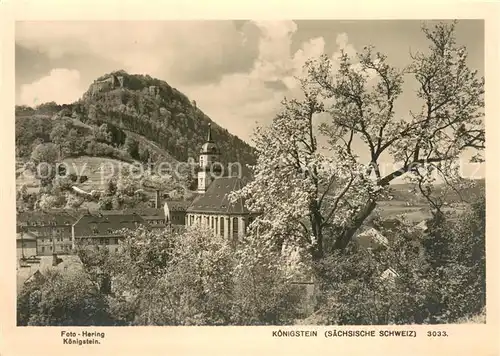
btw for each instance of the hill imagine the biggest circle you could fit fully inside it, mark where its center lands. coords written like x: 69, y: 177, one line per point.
x: 145, y: 118
x: 404, y: 192
x: 163, y: 115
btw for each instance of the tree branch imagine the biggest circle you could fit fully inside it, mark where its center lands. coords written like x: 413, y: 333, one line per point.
x: 337, y: 200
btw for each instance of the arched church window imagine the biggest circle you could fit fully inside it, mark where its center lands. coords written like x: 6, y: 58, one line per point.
x: 235, y: 227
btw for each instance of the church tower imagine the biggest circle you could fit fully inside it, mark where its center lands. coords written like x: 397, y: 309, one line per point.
x: 209, y: 155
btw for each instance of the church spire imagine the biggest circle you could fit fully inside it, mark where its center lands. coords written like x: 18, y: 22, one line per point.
x: 209, y: 154
x: 209, y: 138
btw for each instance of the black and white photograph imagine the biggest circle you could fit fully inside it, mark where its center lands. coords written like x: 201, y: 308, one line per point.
x: 250, y: 173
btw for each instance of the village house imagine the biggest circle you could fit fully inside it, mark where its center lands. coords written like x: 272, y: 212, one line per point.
x: 175, y: 214
x: 389, y: 275
x: 25, y: 244
x: 372, y: 239
x: 155, y: 218
x: 52, y: 228
x: 98, y: 229
x: 35, y: 270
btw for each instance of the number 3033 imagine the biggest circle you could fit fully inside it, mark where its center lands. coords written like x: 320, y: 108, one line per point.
x: 436, y: 333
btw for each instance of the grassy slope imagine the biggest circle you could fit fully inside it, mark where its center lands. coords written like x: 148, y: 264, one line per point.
x: 97, y: 169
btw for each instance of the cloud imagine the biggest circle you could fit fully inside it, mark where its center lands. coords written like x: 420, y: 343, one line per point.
x: 238, y: 73
x: 61, y: 85
x: 179, y: 51
x: 238, y: 101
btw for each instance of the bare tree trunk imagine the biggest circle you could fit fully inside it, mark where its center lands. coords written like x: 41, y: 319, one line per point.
x: 317, y: 231
x: 348, y: 233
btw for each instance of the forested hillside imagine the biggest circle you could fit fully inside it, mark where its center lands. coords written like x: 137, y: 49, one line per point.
x: 137, y: 104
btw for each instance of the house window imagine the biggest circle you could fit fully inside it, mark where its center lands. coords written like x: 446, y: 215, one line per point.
x: 43, y: 248
x: 95, y: 230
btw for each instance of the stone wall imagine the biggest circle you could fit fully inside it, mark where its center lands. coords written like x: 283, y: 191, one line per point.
x: 108, y: 83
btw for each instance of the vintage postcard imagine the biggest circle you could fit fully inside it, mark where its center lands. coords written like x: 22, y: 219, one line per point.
x: 237, y: 183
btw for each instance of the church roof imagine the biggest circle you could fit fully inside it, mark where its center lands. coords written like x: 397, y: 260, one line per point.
x: 216, y: 200
x: 209, y: 147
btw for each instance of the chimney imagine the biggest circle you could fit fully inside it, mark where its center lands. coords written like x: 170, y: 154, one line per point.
x: 157, y: 199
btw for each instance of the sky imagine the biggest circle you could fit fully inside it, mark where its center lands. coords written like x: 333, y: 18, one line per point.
x: 237, y: 71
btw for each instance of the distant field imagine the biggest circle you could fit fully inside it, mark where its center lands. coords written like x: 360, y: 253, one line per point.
x: 394, y: 208
x: 413, y: 213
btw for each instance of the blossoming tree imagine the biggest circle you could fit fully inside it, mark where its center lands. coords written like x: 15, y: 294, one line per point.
x: 318, y: 195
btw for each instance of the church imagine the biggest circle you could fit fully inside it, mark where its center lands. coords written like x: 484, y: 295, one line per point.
x: 211, y: 208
